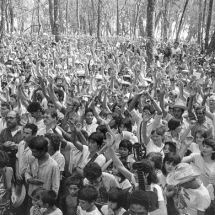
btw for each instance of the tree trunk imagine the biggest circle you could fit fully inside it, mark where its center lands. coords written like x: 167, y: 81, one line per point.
x: 136, y: 18
x: 56, y: 20
x: 180, y: 24
x: 150, y: 31
x: 117, y: 17
x: 165, y: 20
x: 11, y: 17
x: 67, y: 16
x: 77, y: 15
x: 38, y: 16
x: 51, y: 16
x: 203, y: 23
x: 141, y: 29
x: 207, y: 31
x: 211, y: 47
x: 2, y: 24
x: 99, y: 21
x: 200, y: 23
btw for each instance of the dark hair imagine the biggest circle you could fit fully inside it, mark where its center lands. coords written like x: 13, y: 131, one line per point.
x: 139, y: 197
x: 150, y: 108
x: 14, y: 96
x: 4, y: 159
x: 127, y: 123
x: 156, y: 158
x: 54, y: 140
x: 102, y: 129
x: 201, y: 108
x: 34, y: 107
x: 87, y: 110
x: 126, y: 144
x: 116, y: 195
x: 88, y: 193
x: 36, y: 193
x: 92, y: 171
x: 33, y: 128
x: 97, y: 137
x: 172, y: 146
x: 48, y: 197
x: 173, y: 124
x: 74, y: 180
x: 53, y: 113
x: 210, y: 142
x: 5, y: 104
x: 39, y: 143
x: 172, y: 158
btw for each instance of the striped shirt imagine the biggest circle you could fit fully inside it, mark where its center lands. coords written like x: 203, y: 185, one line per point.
x: 47, y: 172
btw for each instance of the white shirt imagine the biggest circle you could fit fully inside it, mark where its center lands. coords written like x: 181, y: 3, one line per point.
x: 82, y: 212
x: 59, y: 158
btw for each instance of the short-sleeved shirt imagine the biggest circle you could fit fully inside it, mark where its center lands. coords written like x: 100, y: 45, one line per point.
x: 196, y: 199
x: 59, y: 158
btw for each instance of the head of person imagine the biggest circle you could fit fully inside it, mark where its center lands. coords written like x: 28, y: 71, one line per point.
x: 51, y: 105
x: 102, y: 129
x: 35, y: 196
x: 73, y: 185
x: 93, y: 173
x: 38, y: 146
x: 13, y: 99
x: 4, y: 160
x: 149, y: 111
x: 116, y: 198
x: 170, y: 161
x: 212, y: 101
x: 89, y: 115
x: 125, y: 125
x: 29, y: 131
x: 13, y: 119
x: 53, y: 142
x: 176, y: 44
x: 125, y: 148
x: 72, y: 104
x: 35, y: 110
x: 39, y: 96
x: 157, y: 136
x: 50, y: 117
x: 87, y: 197
x: 5, y: 108
x: 169, y: 146
x: 150, y: 175
x: 199, y: 136
x: 155, y: 159
x: 184, y: 174
x: 200, y: 113
x: 60, y: 94
x: 95, y: 141
x: 172, y: 82
x: 138, y: 203
x: 174, y: 125
x: 178, y: 112
x: 208, y: 148
x: 48, y: 198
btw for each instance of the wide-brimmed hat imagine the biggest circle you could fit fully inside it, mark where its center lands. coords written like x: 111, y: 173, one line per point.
x: 20, y: 193
x: 180, y: 104
x: 183, y: 172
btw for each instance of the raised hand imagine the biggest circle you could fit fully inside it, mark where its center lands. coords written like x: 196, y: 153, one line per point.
x: 109, y: 139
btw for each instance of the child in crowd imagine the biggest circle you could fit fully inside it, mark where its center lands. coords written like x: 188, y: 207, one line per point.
x: 47, y: 200
x: 87, y: 197
x: 36, y: 209
x: 115, y: 202
x: 69, y: 202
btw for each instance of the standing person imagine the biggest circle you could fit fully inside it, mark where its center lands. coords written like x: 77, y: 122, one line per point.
x: 44, y: 170
x: 24, y: 153
x: 5, y: 108
x: 194, y: 193
x: 37, y: 113
x: 6, y: 175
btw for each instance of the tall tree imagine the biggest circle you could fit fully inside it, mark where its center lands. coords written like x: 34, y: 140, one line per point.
x: 56, y: 20
x: 2, y: 24
x: 150, y: 31
x: 207, y: 31
x: 200, y: 22
x: 117, y: 17
x: 181, y: 20
x: 51, y: 17
x: 99, y: 20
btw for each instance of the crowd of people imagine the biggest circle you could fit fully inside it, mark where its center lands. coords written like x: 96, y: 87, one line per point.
x: 94, y: 130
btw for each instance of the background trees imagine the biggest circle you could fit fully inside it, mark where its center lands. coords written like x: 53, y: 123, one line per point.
x: 173, y: 19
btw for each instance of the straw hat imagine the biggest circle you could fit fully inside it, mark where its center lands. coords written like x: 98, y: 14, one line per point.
x: 183, y: 173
